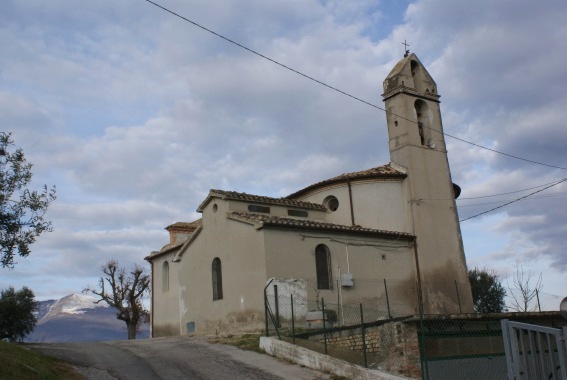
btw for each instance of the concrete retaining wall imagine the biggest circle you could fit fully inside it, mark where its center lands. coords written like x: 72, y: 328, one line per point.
x: 315, y: 360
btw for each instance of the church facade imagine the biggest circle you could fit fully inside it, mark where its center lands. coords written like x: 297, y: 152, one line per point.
x: 333, y: 240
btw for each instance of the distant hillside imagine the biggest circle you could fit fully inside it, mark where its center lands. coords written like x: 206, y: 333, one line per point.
x: 76, y: 318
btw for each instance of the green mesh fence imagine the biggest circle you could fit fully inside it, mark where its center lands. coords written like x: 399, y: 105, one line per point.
x: 386, y: 331
x: 461, y: 348
x: 359, y: 334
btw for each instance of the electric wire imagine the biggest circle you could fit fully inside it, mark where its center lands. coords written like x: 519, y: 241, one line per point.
x: 507, y: 193
x: 345, y: 93
x: 505, y: 200
x: 515, y: 200
x: 363, y: 243
x: 374, y: 106
x: 488, y: 196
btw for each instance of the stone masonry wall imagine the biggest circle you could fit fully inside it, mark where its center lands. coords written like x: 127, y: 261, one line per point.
x: 393, y: 347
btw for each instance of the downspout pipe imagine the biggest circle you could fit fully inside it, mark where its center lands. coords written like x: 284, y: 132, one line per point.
x: 350, y: 199
x: 419, y: 286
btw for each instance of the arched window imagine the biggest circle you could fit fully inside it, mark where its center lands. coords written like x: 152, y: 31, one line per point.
x: 323, y: 267
x: 165, y: 277
x: 422, y: 114
x: 418, y: 77
x: 217, y: 279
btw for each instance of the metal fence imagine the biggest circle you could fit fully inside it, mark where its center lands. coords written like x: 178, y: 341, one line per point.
x: 385, y: 333
x: 534, y: 352
x: 460, y: 348
x: 348, y: 332
x: 382, y: 299
x: 381, y: 325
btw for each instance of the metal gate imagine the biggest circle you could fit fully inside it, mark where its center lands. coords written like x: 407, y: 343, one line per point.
x: 534, y: 352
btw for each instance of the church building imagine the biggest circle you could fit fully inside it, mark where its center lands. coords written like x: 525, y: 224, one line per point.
x: 342, y: 239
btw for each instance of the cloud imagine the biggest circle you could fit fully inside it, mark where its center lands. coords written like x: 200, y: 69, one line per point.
x: 135, y: 114
x: 499, y: 72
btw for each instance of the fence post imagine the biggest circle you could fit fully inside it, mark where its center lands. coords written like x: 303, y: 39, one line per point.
x: 458, y: 297
x: 339, y: 298
x: 277, y: 304
x: 266, y: 313
x: 363, y: 337
x: 387, y: 300
x: 324, y: 326
x: 292, y: 320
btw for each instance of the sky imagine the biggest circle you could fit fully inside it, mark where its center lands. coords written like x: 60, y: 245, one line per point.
x: 134, y: 114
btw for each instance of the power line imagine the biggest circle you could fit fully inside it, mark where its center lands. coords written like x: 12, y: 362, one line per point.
x: 346, y: 93
x: 515, y: 200
x: 510, y: 192
x: 488, y: 196
x: 505, y: 200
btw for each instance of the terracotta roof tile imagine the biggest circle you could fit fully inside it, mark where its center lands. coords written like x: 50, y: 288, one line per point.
x: 269, y: 200
x: 384, y: 171
x: 310, y: 224
x: 185, y: 226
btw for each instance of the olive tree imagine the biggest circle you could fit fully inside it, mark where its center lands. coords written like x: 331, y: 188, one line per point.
x: 124, y: 291
x: 21, y: 210
x: 487, y: 291
x: 17, y: 317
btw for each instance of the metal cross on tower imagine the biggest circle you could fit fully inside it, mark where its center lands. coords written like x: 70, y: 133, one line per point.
x: 406, y: 48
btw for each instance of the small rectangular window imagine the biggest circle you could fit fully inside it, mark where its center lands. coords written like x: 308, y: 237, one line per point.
x: 301, y: 213
x: 256, y: 208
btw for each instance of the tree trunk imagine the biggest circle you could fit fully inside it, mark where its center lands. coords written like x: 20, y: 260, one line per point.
x: 131, y: 330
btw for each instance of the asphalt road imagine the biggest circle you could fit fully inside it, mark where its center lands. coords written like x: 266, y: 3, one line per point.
x: 173, y: 358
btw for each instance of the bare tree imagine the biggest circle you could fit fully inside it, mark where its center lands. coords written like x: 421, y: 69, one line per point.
x: 124, y: 291
x: 525, y: 290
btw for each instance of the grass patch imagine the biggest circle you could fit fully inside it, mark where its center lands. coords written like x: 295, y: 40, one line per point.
x: 20, y: 363
x: 250, y: 342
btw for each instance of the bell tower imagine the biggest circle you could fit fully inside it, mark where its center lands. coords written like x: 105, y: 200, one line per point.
x: 417, y: 143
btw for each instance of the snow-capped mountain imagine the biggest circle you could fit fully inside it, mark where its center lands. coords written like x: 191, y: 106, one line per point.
x: 71, y: 304
x: 77, y: 318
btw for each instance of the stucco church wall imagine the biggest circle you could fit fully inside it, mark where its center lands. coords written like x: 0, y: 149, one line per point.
x: 430, y: 190
x: 240, y: 248
x: 442, y: 261
x: 340, y: 191
x: 381, y: 205
x: 276, y: 210
x: 376, y: 204
x: 165, y: 308
x: 291, y: 255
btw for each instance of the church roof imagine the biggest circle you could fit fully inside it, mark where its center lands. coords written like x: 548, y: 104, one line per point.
x: 384, y: 171
x: 310, y: 224
x: 260, y: 199
x: 403, y: 78
x: 398, y: 67
x: 185, y: 226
